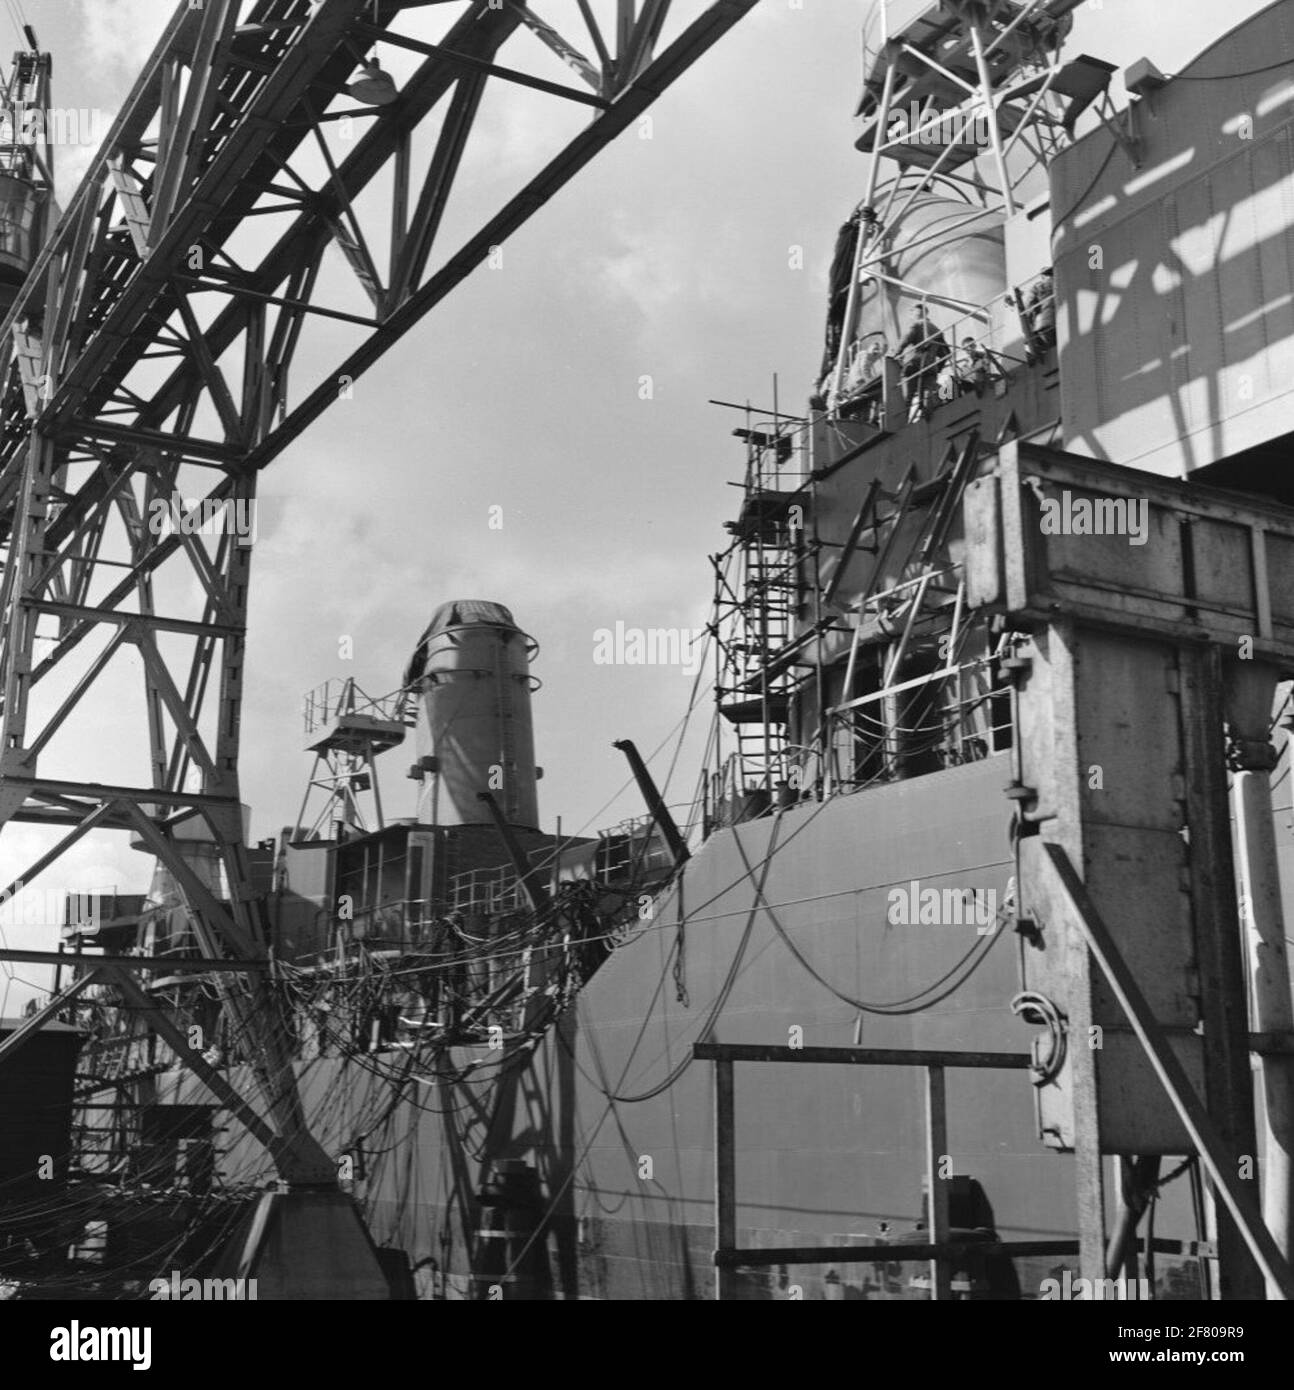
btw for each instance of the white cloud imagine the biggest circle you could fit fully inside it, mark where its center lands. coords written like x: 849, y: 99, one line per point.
x: 113, y: 39
x: 649, y: 276
x: 680, y: 279
x: 30, y: 920
x: 117, y: 35
x: 70, y: 164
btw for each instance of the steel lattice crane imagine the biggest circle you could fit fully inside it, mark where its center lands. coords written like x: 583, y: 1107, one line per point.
x: 126, y: 392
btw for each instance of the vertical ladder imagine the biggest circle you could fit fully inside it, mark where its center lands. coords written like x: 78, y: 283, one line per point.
x: 754, y: 687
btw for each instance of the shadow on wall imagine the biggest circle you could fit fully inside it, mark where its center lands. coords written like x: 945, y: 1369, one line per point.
x: 1175, y: 281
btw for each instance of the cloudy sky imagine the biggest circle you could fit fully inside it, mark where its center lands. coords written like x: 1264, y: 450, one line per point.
x: 670, y: 257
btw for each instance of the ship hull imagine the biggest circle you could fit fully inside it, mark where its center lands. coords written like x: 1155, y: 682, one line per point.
x: 788, y: 930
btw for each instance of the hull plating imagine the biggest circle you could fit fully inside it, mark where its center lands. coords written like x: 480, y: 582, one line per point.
x: 618, y: 1125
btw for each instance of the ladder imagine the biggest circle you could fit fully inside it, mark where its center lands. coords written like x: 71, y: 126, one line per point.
x: 760, y: 611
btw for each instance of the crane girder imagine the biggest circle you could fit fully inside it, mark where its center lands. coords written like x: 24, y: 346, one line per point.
x: 149, y: 360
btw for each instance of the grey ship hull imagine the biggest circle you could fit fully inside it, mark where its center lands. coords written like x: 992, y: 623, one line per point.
x: 825, y: 1154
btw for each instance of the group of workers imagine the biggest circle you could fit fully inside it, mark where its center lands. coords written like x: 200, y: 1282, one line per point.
x: 932, y: 370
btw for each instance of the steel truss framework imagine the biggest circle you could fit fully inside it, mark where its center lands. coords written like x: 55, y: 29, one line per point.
x: 125, y: 385
x: 346, y: 730
x: 974, y: 65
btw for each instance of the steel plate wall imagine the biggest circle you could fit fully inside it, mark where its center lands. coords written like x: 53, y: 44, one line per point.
x: 1175, y: 280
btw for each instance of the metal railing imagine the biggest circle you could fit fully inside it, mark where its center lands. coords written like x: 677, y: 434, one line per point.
x: 486, y: 892
x: 962, y: 727
x: 395, y: 923
x: 635, y: 845
x: 338, y: 696
x: 973, y: 363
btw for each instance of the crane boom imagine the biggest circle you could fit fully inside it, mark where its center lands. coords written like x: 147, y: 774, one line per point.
x: 150, y: 352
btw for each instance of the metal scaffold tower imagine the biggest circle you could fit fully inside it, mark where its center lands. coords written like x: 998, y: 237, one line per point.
x: 968, y: 100
x: 346, y: 730
x: 964, y: 103
x: 759, y: 588
x: 156, y: 348
x: 26, y: 141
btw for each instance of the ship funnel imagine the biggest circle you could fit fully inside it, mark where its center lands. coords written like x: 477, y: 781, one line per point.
x: 470, y: 676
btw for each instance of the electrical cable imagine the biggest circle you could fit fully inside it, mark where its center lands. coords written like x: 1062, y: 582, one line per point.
x: 1095, y: 179
x: 374, y: 976
x: 896, y: 1007
x: 1228, y: 76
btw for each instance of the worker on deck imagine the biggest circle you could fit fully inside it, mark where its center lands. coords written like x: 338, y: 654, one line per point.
x: 924, y: 353
x: 862, y: 383
x: 838, y: 280
x: 1040, y: 311
x: 873, y: 387
x: 972, y: 366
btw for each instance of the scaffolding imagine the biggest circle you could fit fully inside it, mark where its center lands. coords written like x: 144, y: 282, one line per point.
x: 956, y: 652
x: 934, y: 694
x: 761, y: 584
x: 967, y: 101
x: 346, y: 730
x: 825, y: 695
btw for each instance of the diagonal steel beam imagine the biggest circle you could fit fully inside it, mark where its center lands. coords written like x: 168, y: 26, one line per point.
x: 95, y: 817
x: 149, y: 562
x: 179, y: 157
x: 208, y: 369
x: 481, y: 36
x: 29, y: 1027
x: 74, y: 696
x: 425, y: 223
x: 488, y: 69
x: 701, y: 35
x: 185, y: 727
x: 168, y: 965
x: 297, y: 1154
x: 568, y: 53
x: 1221, y: 1165
x: 109, y: 304
x: 646, y: 31
x: 144, y: 1005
